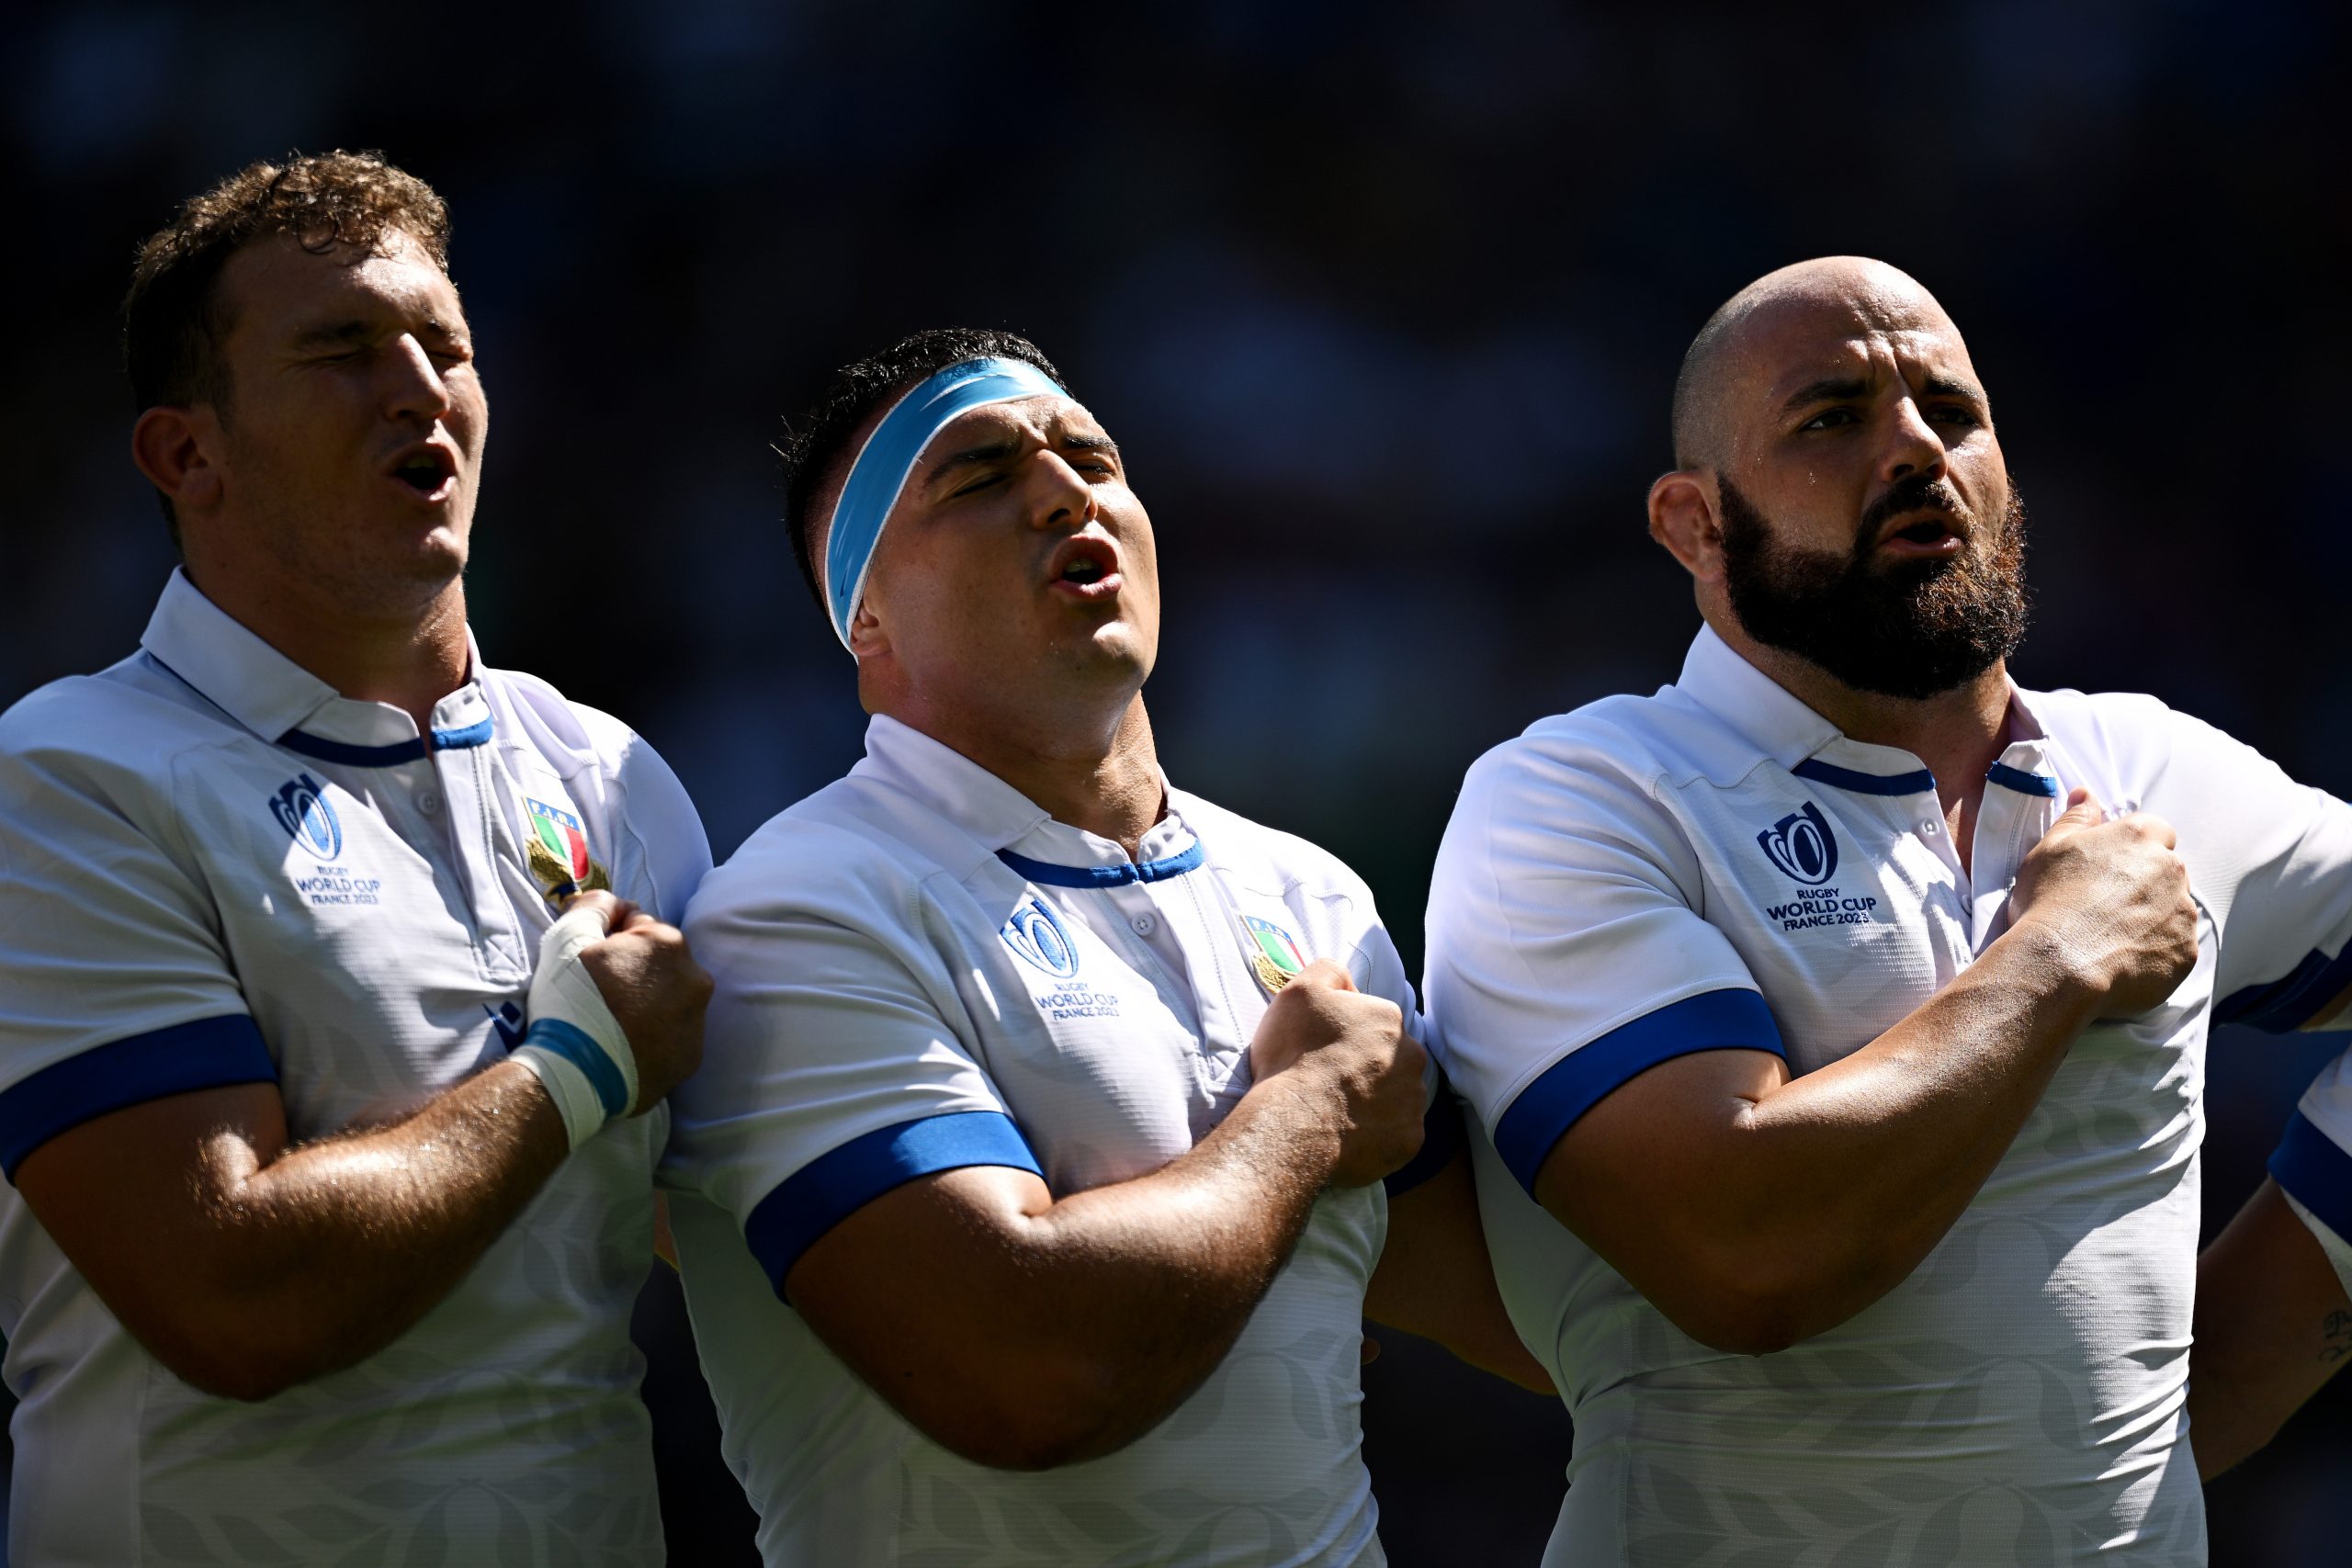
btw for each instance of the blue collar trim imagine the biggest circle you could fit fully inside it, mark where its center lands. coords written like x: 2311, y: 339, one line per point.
x: 392, y: 756
x: 2023, y: 781
x: 1921, y: 783
x: 1048, y: 874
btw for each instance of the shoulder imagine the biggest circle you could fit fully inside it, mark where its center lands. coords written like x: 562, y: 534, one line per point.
x: 131, y: 720
x: 822, y: 858
x: 2141, y: 742
x: 1267, y: 859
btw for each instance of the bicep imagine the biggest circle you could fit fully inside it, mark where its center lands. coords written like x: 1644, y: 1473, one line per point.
x: 917, y: 1293
x: 170, y: 1163
x: 1638, y: 1175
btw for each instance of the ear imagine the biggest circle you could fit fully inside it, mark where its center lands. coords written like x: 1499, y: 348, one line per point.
x: 1683, y: 518
x: 866, y: 637
x: 175, y: 449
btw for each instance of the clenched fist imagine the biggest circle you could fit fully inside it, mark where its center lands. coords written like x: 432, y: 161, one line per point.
x: 1350, y: 1054
x: 655, y: 989
x: 2115, y: 898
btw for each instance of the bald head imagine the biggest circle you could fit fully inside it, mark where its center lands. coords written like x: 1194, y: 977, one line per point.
x: 1827, y: 297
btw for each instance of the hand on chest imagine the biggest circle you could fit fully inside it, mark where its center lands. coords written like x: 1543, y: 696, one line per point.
x: 1124, y: 1015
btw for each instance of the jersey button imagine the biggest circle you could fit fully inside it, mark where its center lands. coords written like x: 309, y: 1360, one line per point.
x: 1930, y: 826
x: 1143, y: 924
x: 428, y: 802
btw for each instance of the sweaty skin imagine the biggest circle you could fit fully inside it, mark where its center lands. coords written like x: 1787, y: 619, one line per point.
x: 256, y: 1265
x: 1752, y: 1208
x: 1079, y: 1323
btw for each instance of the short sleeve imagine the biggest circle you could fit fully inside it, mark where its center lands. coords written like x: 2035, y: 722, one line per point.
x: 2313, y: 1161
x: 831, y: 1072
x: 1566, y: 952
x: 114, y: 987
x: 655, y: 812
x: 1378, y: 969
x: 2276, y: 856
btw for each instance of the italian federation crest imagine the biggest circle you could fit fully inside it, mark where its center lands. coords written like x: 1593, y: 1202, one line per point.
x: 1272, y: 953
x: 557, y: 852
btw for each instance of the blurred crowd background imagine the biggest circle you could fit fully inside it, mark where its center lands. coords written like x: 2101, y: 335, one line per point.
x: 1383, y: 301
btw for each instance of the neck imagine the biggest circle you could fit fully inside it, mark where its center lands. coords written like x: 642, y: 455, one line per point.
x: 409, y: 657
x: 1959, y: 734
x: 1103, y: 778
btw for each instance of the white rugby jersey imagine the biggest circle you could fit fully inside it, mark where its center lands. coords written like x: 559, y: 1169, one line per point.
x: 919, y: 970
x: 1717, y: 866
x: 214, y: 870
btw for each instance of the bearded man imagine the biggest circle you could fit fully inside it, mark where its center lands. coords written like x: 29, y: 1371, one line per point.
x: 1835, y: 1018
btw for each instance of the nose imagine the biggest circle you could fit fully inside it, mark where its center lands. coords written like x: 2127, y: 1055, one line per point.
x: 1912, y: 447
x: 1058, y: 495
x: 415, y: 389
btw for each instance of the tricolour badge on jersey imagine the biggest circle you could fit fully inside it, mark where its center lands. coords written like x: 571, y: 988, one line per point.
x: 1036, y: 935
x: 1272, y: 953
x: 302, y: 809
x: 557, y: 852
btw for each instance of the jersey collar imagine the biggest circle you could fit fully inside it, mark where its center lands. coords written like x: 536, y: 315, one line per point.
x: 283, y: 703
x: 1010, y: 825
x: 1773, y: 720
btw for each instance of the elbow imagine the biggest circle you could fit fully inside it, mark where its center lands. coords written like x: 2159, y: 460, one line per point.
x: 1752, y: 1306
x: 1039, y: 1420
x: 234, y: 1361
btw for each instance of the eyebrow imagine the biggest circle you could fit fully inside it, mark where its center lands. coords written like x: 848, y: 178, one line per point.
x: 358, y: 331
x: 1828, y: 389
x: 998, y: 451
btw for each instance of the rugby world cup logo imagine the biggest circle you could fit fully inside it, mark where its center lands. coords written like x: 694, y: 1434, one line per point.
x: 1037, y: 936
x: 302, y: 809
x: 1802, y: 845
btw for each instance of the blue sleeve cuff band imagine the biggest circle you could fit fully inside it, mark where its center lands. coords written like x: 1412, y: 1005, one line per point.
x: 2311, y: 1166
x: 1441, y: 1141
x: 1731, y: 1020
x: 570, y: 1042
x: 2293, y: 1001
x: 836, y: 1184
x: 211, y: 1052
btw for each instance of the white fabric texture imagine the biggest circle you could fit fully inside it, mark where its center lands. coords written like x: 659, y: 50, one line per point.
x: 165, y: 860
x: 2019, y: 1397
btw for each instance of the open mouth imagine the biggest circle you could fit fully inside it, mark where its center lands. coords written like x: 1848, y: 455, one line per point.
x: 427, y: 470
x: 1937, y: 534
x: 1087, y: 566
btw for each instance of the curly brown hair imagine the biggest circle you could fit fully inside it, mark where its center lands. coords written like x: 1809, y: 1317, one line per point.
x: 171, y: 324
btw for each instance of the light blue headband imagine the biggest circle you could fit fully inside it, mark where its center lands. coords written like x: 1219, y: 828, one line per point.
x: 884, y: 463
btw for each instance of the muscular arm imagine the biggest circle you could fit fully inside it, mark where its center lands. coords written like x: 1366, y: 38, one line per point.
x: 248, y: 1266
x: 2273, y: 1324
x: 245, y: 1266
x: 1435, y: 1278
x: 1756, y: 1210
x: 1023, y: 1331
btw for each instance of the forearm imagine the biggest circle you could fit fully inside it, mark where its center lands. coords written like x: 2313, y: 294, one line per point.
x: 1121, y: 1298
x: 2273, y: 1324
x: 1757, y: 1210
x: 1853, y: 1173
x: 325, y: 1253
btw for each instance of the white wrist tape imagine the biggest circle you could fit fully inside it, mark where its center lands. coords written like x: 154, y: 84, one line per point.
x: 574, y: 1043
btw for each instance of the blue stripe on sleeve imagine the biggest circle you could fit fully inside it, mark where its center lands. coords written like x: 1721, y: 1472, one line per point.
x: 2293, y: 1001
x: 1734, y: 1018
x: 1441, y: 1141
x: 836, y: 1184
x: 211, y: 1052
x: 2311, y: 1165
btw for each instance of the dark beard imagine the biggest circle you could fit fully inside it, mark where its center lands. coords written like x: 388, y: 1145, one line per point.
x: 1911, y: 629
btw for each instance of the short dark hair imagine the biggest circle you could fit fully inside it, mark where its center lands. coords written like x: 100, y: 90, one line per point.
x: 172, y: 326
x: 812, y: 449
